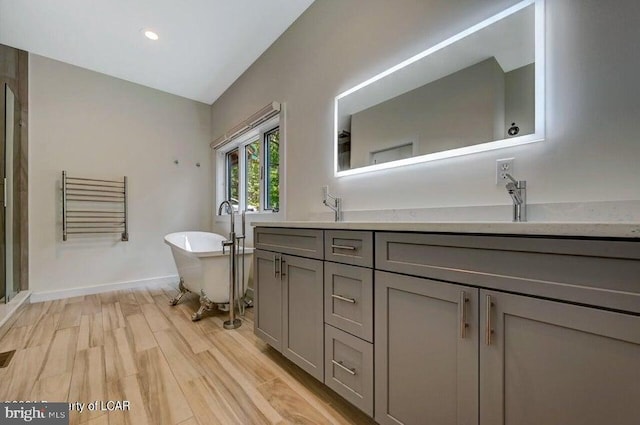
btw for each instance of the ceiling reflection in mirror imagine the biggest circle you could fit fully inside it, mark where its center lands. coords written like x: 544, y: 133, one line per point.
x: 476, y: 93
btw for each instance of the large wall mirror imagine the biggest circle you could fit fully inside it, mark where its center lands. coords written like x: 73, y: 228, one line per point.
x: 479, y: 90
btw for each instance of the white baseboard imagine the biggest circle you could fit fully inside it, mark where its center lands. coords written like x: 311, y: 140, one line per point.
x: 108, y: 287
x: 7, y: 311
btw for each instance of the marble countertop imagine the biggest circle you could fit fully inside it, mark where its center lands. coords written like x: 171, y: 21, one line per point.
x: 579, y: 229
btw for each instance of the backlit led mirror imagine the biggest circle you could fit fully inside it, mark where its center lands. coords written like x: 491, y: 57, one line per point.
x: 479, y: 90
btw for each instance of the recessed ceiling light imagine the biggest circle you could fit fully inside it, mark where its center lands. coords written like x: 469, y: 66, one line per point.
x: 151, y: 35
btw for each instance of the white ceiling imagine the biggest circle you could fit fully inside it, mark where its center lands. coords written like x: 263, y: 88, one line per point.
x: 204, y: 45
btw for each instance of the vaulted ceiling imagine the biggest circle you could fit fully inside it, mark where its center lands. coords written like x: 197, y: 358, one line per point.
x: 203, y: 45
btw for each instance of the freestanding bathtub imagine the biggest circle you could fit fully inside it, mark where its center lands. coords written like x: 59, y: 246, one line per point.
x: 204, y: 269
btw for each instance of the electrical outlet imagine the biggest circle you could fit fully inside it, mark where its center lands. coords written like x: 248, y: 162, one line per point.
x: 503, y: 166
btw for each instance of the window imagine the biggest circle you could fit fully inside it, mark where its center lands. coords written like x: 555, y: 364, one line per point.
x: 272, y: 165
x: 233, y: 174
x: 251, y: 164
x: 252, y: 176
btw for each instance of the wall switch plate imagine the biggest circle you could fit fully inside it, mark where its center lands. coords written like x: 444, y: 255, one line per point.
x: 503, y: 166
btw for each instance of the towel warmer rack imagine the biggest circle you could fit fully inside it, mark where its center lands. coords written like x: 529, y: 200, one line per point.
x: 82, y: 216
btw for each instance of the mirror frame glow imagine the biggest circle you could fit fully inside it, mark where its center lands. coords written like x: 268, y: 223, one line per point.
x: 537, y: 136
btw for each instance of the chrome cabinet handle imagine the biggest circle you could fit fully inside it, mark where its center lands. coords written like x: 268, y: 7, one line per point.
x: 341, y: 298
x: 488, y: 326
x: 347, y: 247
x: 283, y: 266
x: 275, y: 269
x: 343, y: 367
x: 463, y: 314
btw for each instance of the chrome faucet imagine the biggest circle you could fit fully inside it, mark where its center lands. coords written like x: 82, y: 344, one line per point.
x: 518, y: 191
x: 233, y: 322
x: 242, y: 299
x: 228, y: 210
x: 336, y: 205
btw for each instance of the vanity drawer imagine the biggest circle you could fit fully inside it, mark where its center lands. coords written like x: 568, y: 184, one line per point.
x: 602, y: 273
x: 349, y: 247
x: 301, y: 242
x: 348, y: 299
x: 349, y: 368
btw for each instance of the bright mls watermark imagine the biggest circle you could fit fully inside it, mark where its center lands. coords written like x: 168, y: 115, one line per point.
x: 34, y: 413
x: 44, y: 413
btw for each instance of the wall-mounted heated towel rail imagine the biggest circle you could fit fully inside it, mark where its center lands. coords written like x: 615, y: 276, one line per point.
x: 92, y: 206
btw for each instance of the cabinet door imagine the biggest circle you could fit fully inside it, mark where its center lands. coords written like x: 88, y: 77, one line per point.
x: 268, y: 297
x: 426, y: 351
x: 303, y: 327
x: 545, y: 362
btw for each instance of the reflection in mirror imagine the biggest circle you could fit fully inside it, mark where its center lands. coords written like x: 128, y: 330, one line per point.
x: 480, y: 90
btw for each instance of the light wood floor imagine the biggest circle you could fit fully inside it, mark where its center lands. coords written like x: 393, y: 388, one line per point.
x: 131, y: 345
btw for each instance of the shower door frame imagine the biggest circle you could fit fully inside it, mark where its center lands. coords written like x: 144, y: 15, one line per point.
x: 10, y: 130
x: 14, y: 72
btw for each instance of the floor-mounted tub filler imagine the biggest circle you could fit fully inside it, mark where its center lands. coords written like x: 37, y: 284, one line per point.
x: 204, y: 268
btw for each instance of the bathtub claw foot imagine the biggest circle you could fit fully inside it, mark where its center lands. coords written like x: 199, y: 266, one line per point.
x: 182, y: 290
x: 205, y: 305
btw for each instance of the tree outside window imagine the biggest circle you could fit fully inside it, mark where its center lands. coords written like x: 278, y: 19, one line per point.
x: 260, y: 178
x: 272, y: 184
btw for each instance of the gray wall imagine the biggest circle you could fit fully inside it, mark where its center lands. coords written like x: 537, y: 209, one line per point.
x: 592, y: 106
x: 462, y: 109
x: 97, y: 126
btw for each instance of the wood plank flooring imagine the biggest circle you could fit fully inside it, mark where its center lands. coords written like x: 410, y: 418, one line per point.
x: 131, y: 345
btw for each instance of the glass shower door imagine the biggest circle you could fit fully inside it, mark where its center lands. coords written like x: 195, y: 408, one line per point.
x: 9, y: 287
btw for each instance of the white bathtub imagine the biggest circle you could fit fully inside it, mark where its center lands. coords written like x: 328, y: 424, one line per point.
x: 203, y: 268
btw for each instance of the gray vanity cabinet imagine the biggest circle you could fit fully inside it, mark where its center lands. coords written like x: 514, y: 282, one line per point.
x: 302, y: 313
x: 268, y: 297
x: 533, y: 331
x: 289, y: 294
x: 426, y: 351
x: 557, y: 364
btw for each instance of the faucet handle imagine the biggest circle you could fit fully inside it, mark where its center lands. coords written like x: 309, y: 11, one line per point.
x: 510, y: 177
x: 226, y: 244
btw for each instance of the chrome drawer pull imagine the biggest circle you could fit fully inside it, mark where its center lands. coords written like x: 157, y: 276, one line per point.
x: 341, y: 298
x: 343, y: 367
x: 488, y: 326
x: 350, y: 248
x: 463, y: 314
